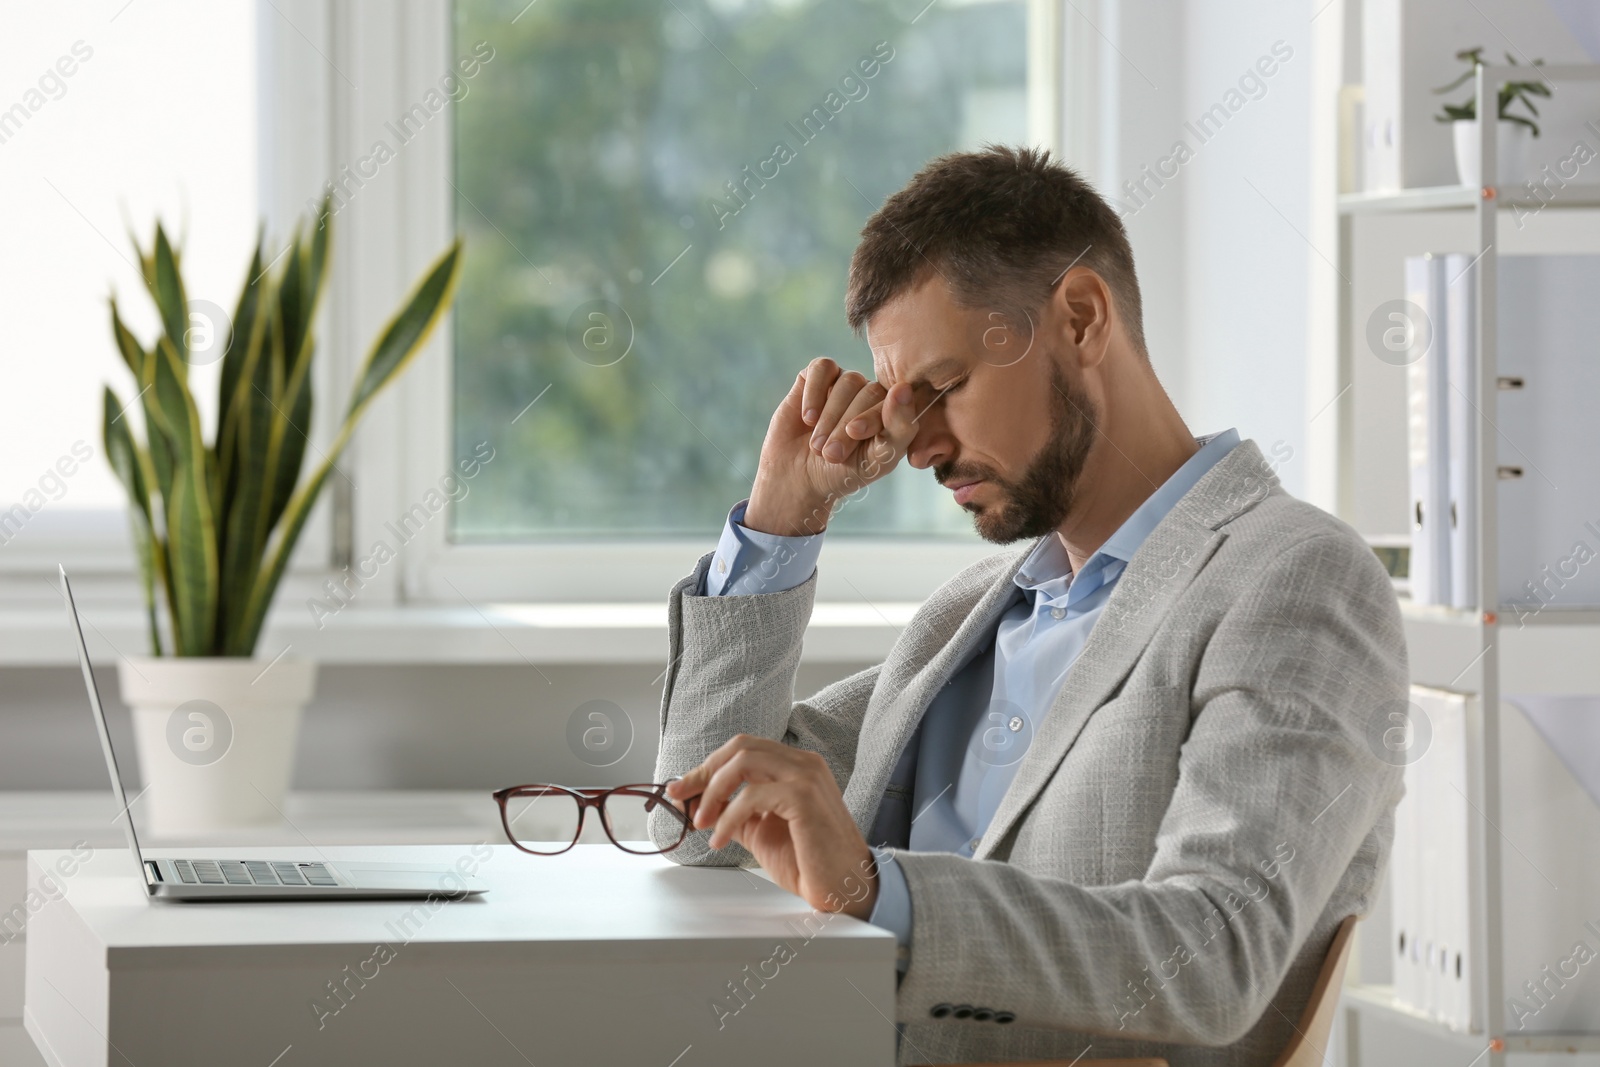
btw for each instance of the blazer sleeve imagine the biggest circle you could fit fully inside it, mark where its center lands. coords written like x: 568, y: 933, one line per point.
x: 731, y: 668
x: 1278, y: 787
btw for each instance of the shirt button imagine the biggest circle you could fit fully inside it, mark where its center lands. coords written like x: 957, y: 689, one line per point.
x: 1058, y: 613
x: 1015, y: 724
x: 973, y: 844
x: 722, y: 566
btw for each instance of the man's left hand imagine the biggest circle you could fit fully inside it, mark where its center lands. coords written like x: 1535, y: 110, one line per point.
x: 790, y: 815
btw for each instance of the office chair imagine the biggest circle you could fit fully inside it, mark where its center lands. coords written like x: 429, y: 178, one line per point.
x: 1310, y: 1040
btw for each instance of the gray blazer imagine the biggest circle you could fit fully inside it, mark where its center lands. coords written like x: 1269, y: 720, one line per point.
x: 1204, y: 803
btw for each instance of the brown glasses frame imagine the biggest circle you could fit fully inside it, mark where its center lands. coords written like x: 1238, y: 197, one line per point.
x: 653, y: 793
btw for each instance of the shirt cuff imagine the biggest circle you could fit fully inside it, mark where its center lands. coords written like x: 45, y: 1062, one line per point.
x: 892, y: 910
x: 748, y: 561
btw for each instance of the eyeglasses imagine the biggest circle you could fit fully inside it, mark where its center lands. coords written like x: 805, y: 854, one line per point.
x: 546, y: 820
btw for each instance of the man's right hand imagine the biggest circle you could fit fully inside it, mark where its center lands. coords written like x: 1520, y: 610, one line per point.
x: 834, y: 433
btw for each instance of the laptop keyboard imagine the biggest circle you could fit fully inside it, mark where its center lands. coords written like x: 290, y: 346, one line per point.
x: 253, y: 872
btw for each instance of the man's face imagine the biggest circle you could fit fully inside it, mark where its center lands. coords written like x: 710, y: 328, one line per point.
x: 998, y: 420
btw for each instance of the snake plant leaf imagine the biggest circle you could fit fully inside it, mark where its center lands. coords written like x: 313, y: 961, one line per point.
x: 290, y: 295
x: 406, y: 332
x: 397, y: 345
x: 258, y: 416
x: 191, y: 528
x: 246, y: 341
x: 123, y: 456
x: 296, y: 422
x: 307, y: 279
x: 159, y: 443
x: 127, y: 345
x: 243, y: 333
x: 166, y: 286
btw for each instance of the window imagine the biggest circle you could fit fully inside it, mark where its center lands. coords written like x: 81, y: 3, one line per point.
x: 112, y: 117
x: 661, y: 201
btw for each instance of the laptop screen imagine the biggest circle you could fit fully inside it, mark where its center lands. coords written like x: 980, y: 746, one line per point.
x: 100, y: 723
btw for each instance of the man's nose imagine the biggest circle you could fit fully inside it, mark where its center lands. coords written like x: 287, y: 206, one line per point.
x: 931, y: 446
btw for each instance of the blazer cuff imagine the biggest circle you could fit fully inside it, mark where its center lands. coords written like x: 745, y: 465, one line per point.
x: 892, y: 911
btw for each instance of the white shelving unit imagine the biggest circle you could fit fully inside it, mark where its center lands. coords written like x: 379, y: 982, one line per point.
x: 1471, y: 650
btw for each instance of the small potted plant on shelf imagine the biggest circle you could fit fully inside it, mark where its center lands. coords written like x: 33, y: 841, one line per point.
x: 214, y: 523
x: 1513, y: 131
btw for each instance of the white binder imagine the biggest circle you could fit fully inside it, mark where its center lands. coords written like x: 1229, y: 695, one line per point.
x: 1548, y: 433
x: 1427, y: 406
x: 1452, y: 924
x: 1460, y: 342
x: 1404, y: 943
x: 1431, y: 874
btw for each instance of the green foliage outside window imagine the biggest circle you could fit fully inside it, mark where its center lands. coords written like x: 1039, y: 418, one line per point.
x: 662, y: 199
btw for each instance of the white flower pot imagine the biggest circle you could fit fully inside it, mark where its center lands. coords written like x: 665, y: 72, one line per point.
x: 1511, y: 145
x: 215, y: 738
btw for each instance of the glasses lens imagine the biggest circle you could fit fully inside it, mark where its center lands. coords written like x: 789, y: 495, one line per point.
x: 629, y: 813
x: 546, y: 823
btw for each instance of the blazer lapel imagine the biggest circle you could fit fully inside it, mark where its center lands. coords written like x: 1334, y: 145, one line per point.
x: 1155, y: 578
x: 904, y: 690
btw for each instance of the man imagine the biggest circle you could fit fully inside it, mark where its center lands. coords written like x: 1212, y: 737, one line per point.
x: 1115, y: 787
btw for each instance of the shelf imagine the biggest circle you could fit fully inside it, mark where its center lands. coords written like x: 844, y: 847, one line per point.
x: 1550, y: 652
x: 1508, y: 615
x: 1438, y: 613
x: 1379, y: 1001
x: 1461, y: 197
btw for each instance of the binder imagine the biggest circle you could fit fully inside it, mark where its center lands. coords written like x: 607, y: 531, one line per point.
x: 1547, y: 434
x: 1403, y: 868
x: 1431, y: 873
x: 1453, y: 961
x: 1427, y: 405
x: 1462, y: 419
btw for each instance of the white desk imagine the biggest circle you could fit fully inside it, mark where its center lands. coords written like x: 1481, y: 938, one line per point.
x: 62, y: 819
x: 594, y: 957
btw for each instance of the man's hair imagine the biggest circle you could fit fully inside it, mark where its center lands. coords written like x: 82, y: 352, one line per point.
x: 1001, y: 226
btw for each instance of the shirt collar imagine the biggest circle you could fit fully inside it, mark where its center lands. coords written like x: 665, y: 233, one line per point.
x: 1048, y: 562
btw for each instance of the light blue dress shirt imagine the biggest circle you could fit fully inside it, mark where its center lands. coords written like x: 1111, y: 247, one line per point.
x: 975, y: 732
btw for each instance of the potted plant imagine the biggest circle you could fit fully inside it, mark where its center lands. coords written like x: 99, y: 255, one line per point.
x: 214, y: 523
x: 1513, y: 132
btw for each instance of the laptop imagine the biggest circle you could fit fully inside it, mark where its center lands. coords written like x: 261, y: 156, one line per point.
x: 241, y: 879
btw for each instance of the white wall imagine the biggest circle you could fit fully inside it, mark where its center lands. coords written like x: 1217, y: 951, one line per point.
x: 1246, y: 214
x: 1219, y: 230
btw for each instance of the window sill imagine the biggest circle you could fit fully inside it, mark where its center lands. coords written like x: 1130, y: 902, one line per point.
x: 499, y: 633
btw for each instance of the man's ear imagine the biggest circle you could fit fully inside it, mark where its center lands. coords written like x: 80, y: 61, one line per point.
x: 1082, y: 304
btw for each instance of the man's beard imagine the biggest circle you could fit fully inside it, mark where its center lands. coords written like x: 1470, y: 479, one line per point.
x: 1038, y: 502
